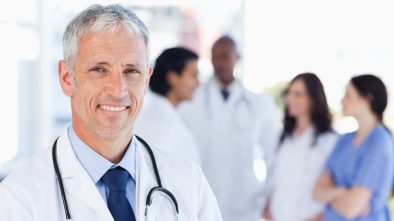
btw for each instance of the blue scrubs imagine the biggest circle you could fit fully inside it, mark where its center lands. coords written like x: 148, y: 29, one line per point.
x: 368, y: 165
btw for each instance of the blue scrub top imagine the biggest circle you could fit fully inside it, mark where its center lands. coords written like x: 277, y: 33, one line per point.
x: 368, y: 165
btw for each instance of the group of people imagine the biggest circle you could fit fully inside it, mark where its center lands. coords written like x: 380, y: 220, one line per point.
x: 313, y: 173
x: 220, y: 125
x: 319, y: 175
x: 151, y: 143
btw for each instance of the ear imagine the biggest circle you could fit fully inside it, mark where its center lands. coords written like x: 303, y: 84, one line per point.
x: 172, y: 78
x: 150, y: 71
x: 369, y: 98
x: 238, y: 56
x: 65, y: 78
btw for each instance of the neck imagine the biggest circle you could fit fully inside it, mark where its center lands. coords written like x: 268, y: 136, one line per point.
x: 173, y: 99
x: 227, y: 82
x: 111, y: 149
x: 302, y: 123
x: 366, y: 124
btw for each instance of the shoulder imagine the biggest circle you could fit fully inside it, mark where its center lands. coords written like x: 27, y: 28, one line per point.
x: 26, y: 181
x: 345, y: 138
x: 381, y: 134
x: 32, y: 169
x: 326, y: 142
x: 381, y: 140
x: 260, y: 97
x: 342, y: 142
x: 330, y: 137
x: 262, y: 101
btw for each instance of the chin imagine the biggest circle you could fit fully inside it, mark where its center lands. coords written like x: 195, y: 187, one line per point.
x: 293, y: 114
x: 112, y: 132
x: 346, y: 114
x: 188, y: 98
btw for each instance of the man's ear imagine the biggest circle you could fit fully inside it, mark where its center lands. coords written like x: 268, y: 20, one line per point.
x: 150, y: 71
x: 238, y: 56
x: 65, y: 78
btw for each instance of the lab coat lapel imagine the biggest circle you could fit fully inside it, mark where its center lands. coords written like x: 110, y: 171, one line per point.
x: 235, y: 93
x: 77, y: 181
x: 216, y: 102
x: 216, y: 96
x: 145, y: 177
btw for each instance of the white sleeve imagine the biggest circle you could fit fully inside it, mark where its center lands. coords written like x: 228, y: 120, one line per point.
x: 208, y: 208
x: 269, y: 129
x: 268, y: 138
x: 11, y: 207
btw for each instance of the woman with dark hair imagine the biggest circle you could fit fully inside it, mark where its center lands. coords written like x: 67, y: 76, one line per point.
x: 358, y: 175
x: 306, y: 141
x: 174, y: 79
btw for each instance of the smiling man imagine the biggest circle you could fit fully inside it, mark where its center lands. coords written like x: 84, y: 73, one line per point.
x: 97, y: 169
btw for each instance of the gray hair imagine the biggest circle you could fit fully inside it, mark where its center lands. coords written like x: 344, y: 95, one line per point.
x: 98, y: 18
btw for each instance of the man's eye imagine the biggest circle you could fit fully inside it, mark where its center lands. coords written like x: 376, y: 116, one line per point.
x: 132, y: 71
x: 97, y: 69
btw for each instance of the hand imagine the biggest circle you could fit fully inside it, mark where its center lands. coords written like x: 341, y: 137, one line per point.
x: 366, y: 210
x: 267, y: 213
x: 340, y: 192
x: 327, y: 179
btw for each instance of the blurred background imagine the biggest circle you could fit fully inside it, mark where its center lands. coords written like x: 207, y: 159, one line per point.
x: 277, y: 39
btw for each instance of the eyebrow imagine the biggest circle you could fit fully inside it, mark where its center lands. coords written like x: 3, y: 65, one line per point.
x: 105, y: 63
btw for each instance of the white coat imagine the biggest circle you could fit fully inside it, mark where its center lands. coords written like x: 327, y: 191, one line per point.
x: 32, y: 193
x: 298, y: 165
x: 232, y: 135
x: 162, y: 126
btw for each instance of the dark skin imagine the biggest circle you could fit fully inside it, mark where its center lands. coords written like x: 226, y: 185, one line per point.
x: 224, y: 58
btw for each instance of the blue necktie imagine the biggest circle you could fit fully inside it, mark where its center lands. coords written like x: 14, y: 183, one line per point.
x: 225, y: 94
x: 116, y: 180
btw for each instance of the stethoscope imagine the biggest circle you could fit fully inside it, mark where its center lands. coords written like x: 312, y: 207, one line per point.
x: 149, y: 198
x: 242, y: 122
x: 242, y: 101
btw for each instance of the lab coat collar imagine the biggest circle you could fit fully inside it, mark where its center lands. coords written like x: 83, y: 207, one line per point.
x: 95, y: 164
x: 236, y: 89
x: 229, y: 88
x: 308, y: 133
x: 77, y: 181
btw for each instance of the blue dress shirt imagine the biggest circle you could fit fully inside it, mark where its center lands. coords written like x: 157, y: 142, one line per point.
x: 96, y: 165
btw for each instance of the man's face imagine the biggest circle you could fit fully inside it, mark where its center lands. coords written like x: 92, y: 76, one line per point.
x: 224, y: 58
x: 111, y: 77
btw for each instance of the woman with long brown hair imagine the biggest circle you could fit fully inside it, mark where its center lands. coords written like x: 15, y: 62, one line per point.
x: 307, y: 140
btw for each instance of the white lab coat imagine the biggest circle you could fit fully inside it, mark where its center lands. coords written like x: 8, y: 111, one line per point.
x: 296, y: 170
x: 32, y: 193
x: 162, y: 126
x: 231, y: 136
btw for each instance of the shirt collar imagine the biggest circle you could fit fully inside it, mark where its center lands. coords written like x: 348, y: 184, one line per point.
x: 230, y: 88
x: 95, y: 164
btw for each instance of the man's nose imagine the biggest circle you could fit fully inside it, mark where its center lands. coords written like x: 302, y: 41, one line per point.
x: 116, y: 85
